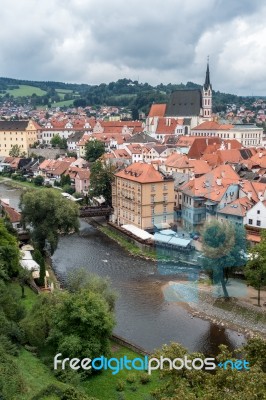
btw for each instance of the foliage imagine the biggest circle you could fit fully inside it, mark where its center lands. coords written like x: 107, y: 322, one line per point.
x: 49, y: 214
x: 15, y: 151
x: 81, y: 324
x: 68, y: 189
x: 65, y: 180
x: 38, y: 180
x: 255, y: 270
x: 37, y: 256
x: 57, y: 141
x: 9, y: 252
x: 101, y: 178
x: 223, y: 384
x: 224, y: 247
x: 120, y: 385
x: 93, y: 150
x: 78, y: 279
x: 69, y: 393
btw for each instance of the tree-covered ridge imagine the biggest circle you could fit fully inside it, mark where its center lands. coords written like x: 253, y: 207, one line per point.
x: 123, y: 93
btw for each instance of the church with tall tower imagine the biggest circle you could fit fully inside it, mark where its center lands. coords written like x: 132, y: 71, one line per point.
x: 191, y: 106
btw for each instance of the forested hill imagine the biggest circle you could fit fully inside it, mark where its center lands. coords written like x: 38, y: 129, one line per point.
x: 124, y: 93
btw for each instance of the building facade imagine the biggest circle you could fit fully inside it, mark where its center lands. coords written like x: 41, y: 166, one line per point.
x: 142, y: 196
x: 21, y: 133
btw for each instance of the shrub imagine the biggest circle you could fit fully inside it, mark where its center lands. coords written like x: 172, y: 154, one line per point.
x: 38, y: 180
x: 131, y: 378
x: 14, y: 177
x: 120, y: 385
x: 144, y: 379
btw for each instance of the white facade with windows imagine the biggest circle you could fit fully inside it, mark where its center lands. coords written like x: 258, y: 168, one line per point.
x: 256, y: 216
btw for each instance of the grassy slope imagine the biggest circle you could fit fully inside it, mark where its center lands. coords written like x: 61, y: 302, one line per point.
x: 37, y: 375
x: 25, y: 90
x: 63, y: 103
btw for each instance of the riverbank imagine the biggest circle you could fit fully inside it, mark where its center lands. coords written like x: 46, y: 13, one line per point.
x: 237, y: 313
x: 19, y: 185
x: 131, y: 248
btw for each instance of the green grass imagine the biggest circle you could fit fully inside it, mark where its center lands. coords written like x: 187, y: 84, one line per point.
x: 35, y: 374
x: 26, y: 90
x: 21, y: 185
x: 30, y: 295
x: 103, y: 386
x: 63, y: 103
x: 130, y: 247
x: 64, y: 91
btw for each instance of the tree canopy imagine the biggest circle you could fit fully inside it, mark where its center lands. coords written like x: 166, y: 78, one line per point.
x: 255, y: 270
x: 9, y: 252
x: 101, y: 178
x: 224, y: 248
x: 93, y: 150
x: 49, y: 214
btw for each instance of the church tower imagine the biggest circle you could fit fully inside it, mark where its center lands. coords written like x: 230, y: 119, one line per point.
x: 207, y: 95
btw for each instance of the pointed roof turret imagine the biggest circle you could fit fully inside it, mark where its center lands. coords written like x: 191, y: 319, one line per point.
x: 207, y: 83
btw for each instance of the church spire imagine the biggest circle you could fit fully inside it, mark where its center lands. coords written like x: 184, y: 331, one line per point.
x: 207, y: 83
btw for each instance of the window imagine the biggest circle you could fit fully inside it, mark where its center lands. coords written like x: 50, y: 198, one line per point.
x: 258, y: 223
x: 153, y: 187
x: 164, y: 218
x: 258, y: 211
x: 164, y: 209
x: 152, y: 210
x: 250, y: 221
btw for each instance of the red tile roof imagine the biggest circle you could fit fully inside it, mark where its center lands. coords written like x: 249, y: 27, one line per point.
x: 141, y: 172
x: 157, y: 110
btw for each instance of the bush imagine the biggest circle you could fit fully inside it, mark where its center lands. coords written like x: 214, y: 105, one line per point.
x: 38, y: 180
x: 131, y: 378
x: 14, y: 177
x: 144, y: 379
x: 120, y: 386
x: 68, y: 189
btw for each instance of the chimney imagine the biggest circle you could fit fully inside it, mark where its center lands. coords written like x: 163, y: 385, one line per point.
x: 260, y: 154
x: 219, y: 181
x: 249, y: 195
x: 229, y: 146
x: 223, y: 174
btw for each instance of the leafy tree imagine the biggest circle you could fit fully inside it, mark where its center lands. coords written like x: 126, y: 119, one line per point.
x: 93, y: 150
x: 101, y: 178
x: 81, y: 324
x: 68, y: 189
x: 65, y: 180
x: 255, y: 270
x: 224, y: 247
x: 56, y: 141
x: 15, y: 151
x: 222, y: 384
x: 49, y: 215
x: 37, y: 256
x: 9, y: 252
x: 78, y: 279
x: 23, y: 277
x: 38, y: 180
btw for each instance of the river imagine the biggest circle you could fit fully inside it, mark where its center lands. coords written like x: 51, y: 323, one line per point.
x: 143, y: 316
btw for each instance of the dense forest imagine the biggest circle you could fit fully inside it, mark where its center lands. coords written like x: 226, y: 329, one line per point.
x: 124, y: 93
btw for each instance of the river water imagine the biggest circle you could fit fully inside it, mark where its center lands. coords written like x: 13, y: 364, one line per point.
x: 143, y: 316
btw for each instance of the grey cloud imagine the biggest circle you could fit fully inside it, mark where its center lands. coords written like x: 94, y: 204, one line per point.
x: 94, y: 40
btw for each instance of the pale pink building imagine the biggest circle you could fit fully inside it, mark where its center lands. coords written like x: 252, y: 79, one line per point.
x: 82, y: 181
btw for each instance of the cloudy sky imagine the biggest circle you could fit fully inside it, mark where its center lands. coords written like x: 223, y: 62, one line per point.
x: 94, y: 41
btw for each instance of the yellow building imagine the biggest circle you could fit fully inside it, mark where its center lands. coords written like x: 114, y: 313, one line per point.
x: 142, y: 196
x: 21, y: 133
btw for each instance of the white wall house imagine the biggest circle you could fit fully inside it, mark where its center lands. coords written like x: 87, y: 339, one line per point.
x: 256, y: 216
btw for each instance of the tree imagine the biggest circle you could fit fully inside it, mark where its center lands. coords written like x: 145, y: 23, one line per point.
x: 255, y: 270
x: 65, y: 180
x: 49, y: 215
x: 15, y: 151
x: 78, y: 279
x: 221, y: 384
x: 37, y: 256
x: 93, y: 150
x: 9, y: 252
x: 224, y: 248
x: 101, y: 178
x: 38, y: 180
x: 56, y: 141
x: 23, y: 277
